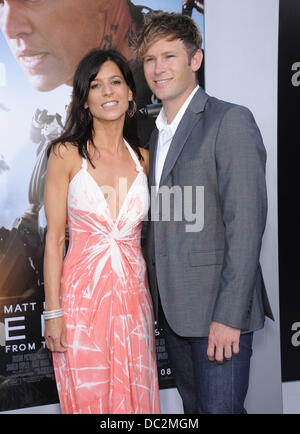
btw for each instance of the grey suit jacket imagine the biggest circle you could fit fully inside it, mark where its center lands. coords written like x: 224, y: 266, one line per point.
x: 208, y: 269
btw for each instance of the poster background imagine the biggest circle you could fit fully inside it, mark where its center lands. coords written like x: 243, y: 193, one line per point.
x: 26, y: 374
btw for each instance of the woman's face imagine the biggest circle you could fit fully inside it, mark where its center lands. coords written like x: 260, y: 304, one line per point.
x: 109, y: 94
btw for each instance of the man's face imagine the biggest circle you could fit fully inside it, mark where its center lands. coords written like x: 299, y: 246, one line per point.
x: 168, y: 72
x: 50, y: 37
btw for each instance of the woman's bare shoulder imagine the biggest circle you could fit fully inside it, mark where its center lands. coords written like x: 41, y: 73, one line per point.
x: 144, y: 152
x: 64, y: 153
x: 64, y: 150
x: 145, y: 162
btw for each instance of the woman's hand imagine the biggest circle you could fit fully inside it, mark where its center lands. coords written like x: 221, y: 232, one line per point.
x: 56, y: 334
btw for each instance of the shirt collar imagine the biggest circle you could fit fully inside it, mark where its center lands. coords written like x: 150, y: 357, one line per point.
x: 161, y: 120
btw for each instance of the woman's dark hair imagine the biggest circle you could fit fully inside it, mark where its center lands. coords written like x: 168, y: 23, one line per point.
x: 78, y: 129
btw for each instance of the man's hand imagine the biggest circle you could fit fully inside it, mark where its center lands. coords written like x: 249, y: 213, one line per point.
x: 222, y: 342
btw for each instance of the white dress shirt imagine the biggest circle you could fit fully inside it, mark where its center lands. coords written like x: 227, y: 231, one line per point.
x: 166, y: 134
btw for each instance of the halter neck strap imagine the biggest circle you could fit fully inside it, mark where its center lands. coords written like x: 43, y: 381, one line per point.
x: 138, y: 165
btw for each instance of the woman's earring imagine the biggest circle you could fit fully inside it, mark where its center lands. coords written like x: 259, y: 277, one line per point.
x: 132, y: 108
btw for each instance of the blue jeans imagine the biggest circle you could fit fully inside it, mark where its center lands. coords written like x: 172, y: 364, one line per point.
x: 208, y: 387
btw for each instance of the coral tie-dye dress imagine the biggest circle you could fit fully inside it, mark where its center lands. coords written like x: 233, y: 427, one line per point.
x: 110, y: 362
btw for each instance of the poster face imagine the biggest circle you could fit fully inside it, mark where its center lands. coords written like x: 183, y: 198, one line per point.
x: 41, y: 43
x: 288, y: 182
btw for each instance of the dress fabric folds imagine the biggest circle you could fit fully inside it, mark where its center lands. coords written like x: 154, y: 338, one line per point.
x: 110, y: 363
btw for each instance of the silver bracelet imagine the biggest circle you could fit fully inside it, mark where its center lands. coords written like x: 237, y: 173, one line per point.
x: 50, y: 314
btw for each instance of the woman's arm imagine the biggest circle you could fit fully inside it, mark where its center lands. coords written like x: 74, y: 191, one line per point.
x: 56, y: 191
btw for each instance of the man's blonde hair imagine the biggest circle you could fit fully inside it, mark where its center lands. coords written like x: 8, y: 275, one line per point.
x: 159, y: 25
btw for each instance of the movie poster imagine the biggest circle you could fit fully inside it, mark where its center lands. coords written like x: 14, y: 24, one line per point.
x: 41, y: 44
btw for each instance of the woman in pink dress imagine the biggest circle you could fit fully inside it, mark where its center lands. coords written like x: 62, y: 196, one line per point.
x: 98, y: 312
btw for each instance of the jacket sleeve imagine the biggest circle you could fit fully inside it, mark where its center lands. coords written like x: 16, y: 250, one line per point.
x: 240, y: 160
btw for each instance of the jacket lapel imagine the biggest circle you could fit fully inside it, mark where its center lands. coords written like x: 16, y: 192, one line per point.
x: 152, y: 156
x: 191, y: 116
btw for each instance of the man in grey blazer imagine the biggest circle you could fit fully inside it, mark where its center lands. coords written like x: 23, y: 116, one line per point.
x: 208, y: 214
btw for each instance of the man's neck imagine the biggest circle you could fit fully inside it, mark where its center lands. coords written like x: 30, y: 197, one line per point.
x: 172, y: 106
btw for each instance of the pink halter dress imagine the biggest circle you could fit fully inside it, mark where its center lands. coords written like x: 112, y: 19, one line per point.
x: 110, y: 364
